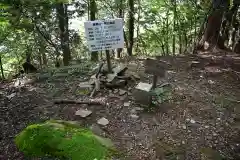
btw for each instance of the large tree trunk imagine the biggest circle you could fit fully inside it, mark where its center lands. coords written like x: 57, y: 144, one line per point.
x: 93, y: 10
x: 174, y: 26
x: 131, y: 26
x: 120, y: 15
x: 213, y: 27
x: 64, y: 33
x: 212, y: 30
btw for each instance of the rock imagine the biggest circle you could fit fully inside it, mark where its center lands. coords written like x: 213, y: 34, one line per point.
x: 103, y: 121
x: 133, y: 75
x: 126, y: 104
x: 84, y: 85
x: 142, y: 93
x: 211, y: 82
x: 136, y: 109
x: 129, y: 93
x: 115, y: 91
x: 110, y: 77
x: 133, y: 111
x: 192, y: 121
x: 119, y: 69
x: 11, y: 95
x: 122, y: 92
x: 214, y: 134
x: 121, y: 83
x: 83, y: 113
x: 134, y: 116
x: 195, y: 64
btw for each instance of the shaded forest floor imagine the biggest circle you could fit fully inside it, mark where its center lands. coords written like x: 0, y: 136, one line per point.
x: 201, y: 122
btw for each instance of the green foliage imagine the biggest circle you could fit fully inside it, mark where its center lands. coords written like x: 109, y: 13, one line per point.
x: 162, y: 94
x: 62, y: 139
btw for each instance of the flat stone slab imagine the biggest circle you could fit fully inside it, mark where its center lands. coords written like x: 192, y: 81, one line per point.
x: 126, y: 104
x: 103, y: 121
x: 144, y: 86
x: 134, y: 116
x: 83, y: 113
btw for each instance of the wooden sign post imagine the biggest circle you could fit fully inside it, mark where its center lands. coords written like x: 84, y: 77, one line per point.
x: 108, y: 61
x: 156, y: 68
x: 142, y: 92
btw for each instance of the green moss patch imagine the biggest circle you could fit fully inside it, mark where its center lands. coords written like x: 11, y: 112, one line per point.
x: 64, y: 140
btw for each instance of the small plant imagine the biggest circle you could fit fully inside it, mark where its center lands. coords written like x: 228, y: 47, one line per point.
x: 161, y: 95
x: 63, y: 140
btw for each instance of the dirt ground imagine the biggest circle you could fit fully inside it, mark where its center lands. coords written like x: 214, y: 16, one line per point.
x: 202, y: 121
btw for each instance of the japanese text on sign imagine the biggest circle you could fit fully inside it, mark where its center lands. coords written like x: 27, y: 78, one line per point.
x: 105, y: 34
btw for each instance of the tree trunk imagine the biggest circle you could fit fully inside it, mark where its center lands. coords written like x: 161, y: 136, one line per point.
x: 44, y: 58
x: 167, y: 27
x: 64, y: 33
x: 232, y: 23
x: 1, y: 65
x: 214, y: 25
x: 138, y: 26
x: 131, y: 26
x: 120, y: 15
x: 174, y: 26
x: 93, y: 10
x: 180, y: 39
x: 28, y: 54
x: 212, y: 30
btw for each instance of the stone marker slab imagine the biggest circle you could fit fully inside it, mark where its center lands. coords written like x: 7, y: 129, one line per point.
x: 83, y: 113
x: 142, y: 93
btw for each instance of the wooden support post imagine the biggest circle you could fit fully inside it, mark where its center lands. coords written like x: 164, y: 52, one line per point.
x: 108, y: 61
x: 155, y: 77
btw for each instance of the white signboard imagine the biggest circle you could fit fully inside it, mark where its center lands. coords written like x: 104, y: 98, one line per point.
x: 104, y: 34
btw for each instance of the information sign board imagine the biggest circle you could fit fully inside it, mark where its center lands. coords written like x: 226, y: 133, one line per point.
x: 104, y: 34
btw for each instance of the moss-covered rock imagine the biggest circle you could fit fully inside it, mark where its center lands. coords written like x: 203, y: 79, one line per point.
x: 62, y: 139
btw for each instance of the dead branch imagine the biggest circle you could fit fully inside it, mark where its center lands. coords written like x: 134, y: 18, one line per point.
x: 97, y: 81
x: 89, y: 102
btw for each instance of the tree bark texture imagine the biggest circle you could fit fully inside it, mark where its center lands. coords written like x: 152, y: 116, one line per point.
x: 131, y: 26
x: 120, y: 14
x: 93, y: 10
x: 64, y: 33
